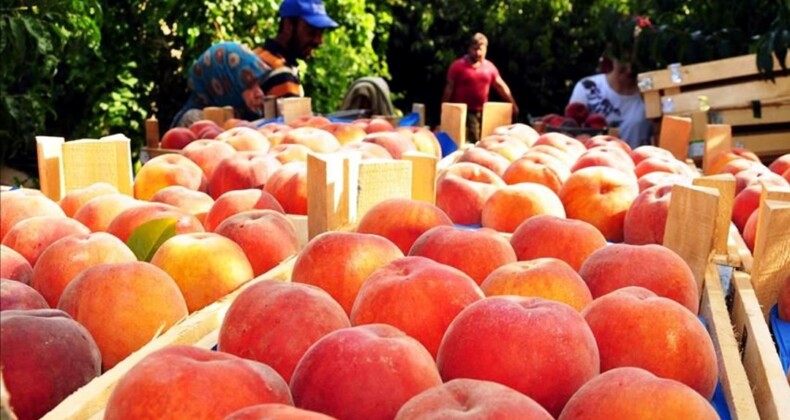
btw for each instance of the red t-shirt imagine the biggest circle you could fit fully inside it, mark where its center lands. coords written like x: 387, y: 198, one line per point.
x: 472, y: 84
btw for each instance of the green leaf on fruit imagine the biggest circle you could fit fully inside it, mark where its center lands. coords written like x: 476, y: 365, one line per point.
x: 148, y: 237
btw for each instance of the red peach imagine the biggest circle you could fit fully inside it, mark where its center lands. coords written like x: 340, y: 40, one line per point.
x: 237, y: 201
x: 549, y: 236
x: 646, y: 219
x: 511, y: 205
x: 402, y: 220
x: 17, y: 295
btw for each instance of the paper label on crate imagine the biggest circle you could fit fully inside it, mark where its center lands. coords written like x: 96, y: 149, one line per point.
x: 144, y: 157
x: 696, y: 149
x: 667, y: 105
x: 645, y: 83
x: 674, y: 72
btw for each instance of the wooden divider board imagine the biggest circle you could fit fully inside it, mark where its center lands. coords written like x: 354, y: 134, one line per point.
x: 725, y: 184
x: 690, y: 225
x: 675, y: 135
x: 423, y: 176
x: 495, y: 114
x: 49, y: 151
x: 454, y: 122
x: 760, y: 359
x: 771, y: 265
x: 89, y: 161
x: 735, y: 95
x: 294, y: 108
x: 732, y: 375
x: 91, y: 399
x: 381, y: 180
x: 718, y: 137
x: 152, y: 132
x: 329, y: 190
x: 420, y: 110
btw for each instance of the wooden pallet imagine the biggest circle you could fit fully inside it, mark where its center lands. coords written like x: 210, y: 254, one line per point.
x: 728, y: 92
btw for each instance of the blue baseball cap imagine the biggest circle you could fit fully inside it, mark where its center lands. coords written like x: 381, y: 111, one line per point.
x: 312, y: 11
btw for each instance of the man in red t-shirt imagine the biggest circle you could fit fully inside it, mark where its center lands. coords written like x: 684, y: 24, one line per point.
x: 469, y: 80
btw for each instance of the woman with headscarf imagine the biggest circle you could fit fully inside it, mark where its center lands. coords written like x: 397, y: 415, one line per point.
x: 227, y: 74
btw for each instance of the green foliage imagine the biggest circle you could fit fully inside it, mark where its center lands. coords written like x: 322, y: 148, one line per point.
x: 146, y: 239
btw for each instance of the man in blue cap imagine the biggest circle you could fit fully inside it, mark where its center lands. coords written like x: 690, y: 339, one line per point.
x: 302, y: 25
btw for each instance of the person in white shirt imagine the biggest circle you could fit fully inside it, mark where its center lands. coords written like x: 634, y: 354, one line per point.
x: 616, y: 96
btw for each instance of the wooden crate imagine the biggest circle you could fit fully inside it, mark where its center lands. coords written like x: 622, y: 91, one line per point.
x: 729, y: 92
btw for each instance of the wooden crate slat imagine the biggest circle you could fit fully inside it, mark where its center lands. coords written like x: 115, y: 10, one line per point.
x: 675, y: 135
x: 495, y: 114
x: 771, y: 252
x: 423, y: 176
x: 731, y: 96
x: 380, y: 180
x: 769, y: 114
x: 725, y: 184
x: 764, y: 143
x: 453, y: 122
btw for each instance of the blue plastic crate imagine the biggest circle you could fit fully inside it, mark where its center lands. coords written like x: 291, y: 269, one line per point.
x: 781, y: 331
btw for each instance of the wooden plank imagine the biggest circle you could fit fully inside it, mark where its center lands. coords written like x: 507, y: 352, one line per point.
x: 725, y: 184
x: 152, y: 132
x: 420, y: 110
x: 652, y: 101
x: 89, y: 161
x: 495, y: 114
x: 732, y: 374
x: 737, y: 95
x: 300, y: 225
x: 453, y: 122
x: 699, y: 125
x: 49, y: 151
x: 769, y: 114
x: 690, y: 225
x: 269, y: 107
x: 745, y: 65
x: 423, y: 176
x: 330, y: 196
x: 675, y: 135
x: 214, y: 113
x: 765, y: 143
x: 91, y: 398
x: 381, y: 179
x: 771, y: 252
x: 718, y: 137
x: 760, y: 359
x: 227, y: 113
x: 295, y: 108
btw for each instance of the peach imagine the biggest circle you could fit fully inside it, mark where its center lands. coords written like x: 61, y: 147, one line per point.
x: 647, y: 151
x: 179, y: 382
x: 23, y: 203
x: 783, y: 301
x: 527, y: 169
x: 402, y: 220
x: 14, y: 266
x: 758, y: 175
x: 675, y: 346
x: 275, y: 323
x: 608, y: 140
x: 780, y: 165
x: 67, y: 257
x: 242, y: 170
x: 207, y: 154
x: 177, y: 138
x: 453, y: 246
x: 520, y: 132
x: 511, y: 205
x: 345, y: 133
x: 485, y: 158
x: 660, y: 164
x: 371, y: 370
x: 600, y: 196
x: 200, y: 125
x: 267, y: 237
x: 508, y: 147
x: 410, y: 293
x: 646, y: 219
x: 719, y: 160
x: 287, y: 153
x: 634, y: 393
x: 463, y: 188
x: 569, y: 240
x: 471, y: 398
x: 607, y: 156
x: 750, y: 230
x: 744, y: 204
x: 74, y: 199
x: 206, y: 266
x: 541, y: 348
x: 376, y: 125
x: 274, y: 411
x: 17, y: 295
x: 317, y: 121
x: 237, y: 201
x: 46, y: 357
x: 339, y: 262
x: 275, y: 132
x: 194, y: 202
x: 143, y: 302
x: 316, y: 139
x: 245, y: 139
x: 547, y: 278
x: 135, y: 216
x: 653, y: 267
x: 424, y: 139
x: 166, y: 170
x: 288, y: 185
x: 737, y: 165
x: 578, y: 111
x: 367, y: 149
x: 661, y: 178
x: 97, y: 214
x: 396, y: 143
x: 567, y: 144
x: 32, y: 236
x: 559, y: 154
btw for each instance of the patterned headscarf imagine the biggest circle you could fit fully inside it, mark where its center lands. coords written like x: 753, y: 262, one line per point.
x: 220, y: 75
